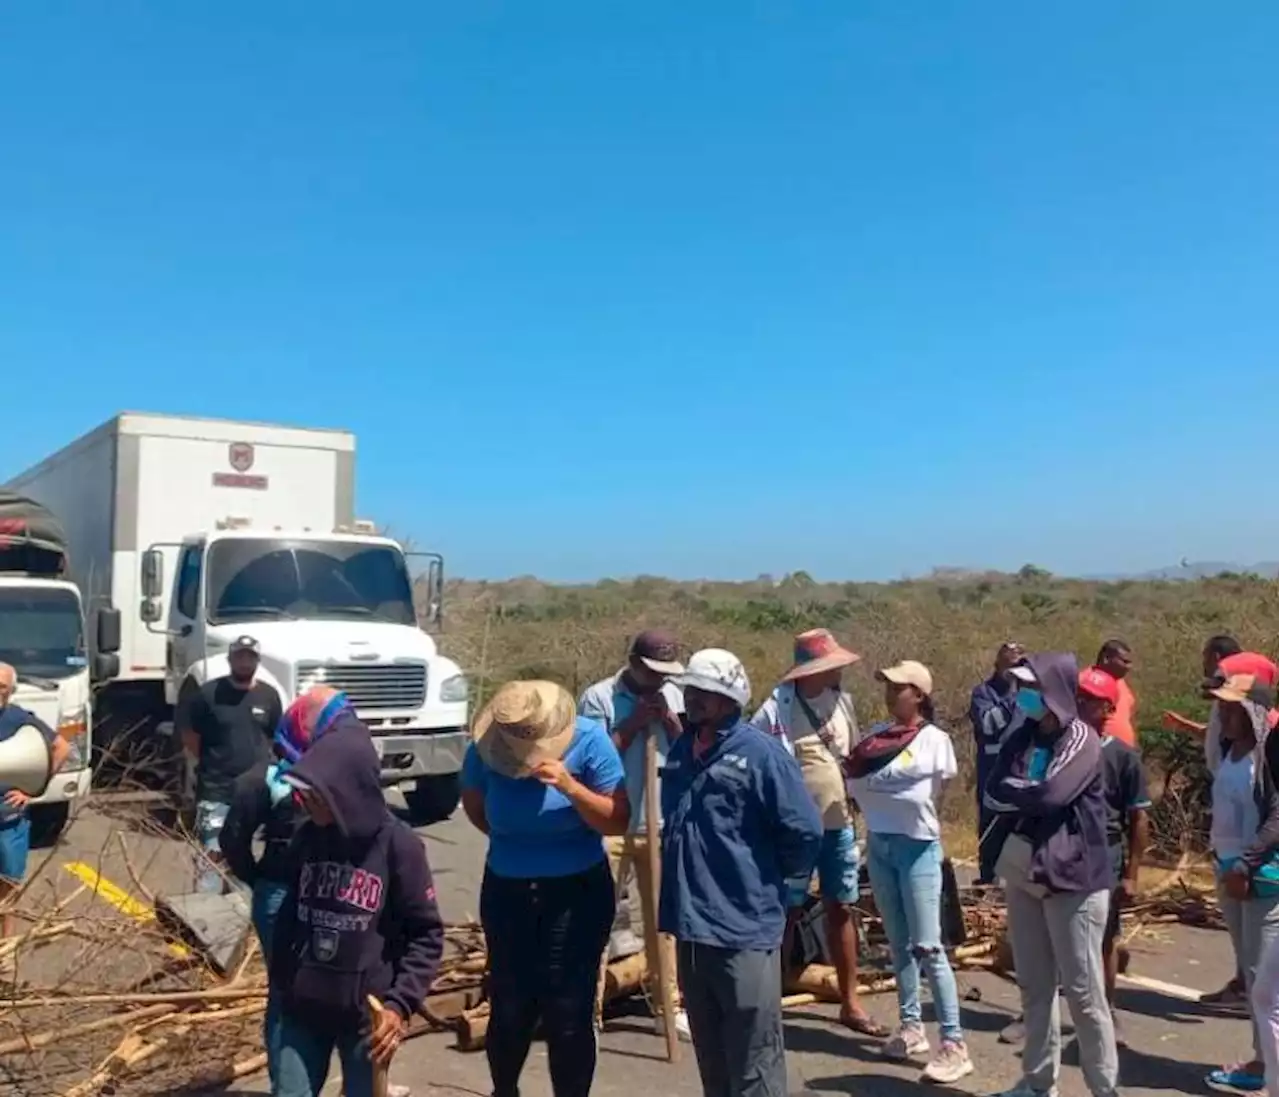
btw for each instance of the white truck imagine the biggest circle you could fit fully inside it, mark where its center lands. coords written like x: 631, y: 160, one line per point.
x: 42, y: 636
x: 203, y: 530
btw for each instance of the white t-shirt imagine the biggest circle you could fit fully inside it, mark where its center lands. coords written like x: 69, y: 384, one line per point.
x: 1235, y: 813
x: 900, y: 797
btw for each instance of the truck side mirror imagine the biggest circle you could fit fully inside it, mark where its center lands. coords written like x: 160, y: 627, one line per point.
x: 108, y: 631
x: 106, y: 665
x: 150, y: 611
x: 152, y: 574
x: 435, y: 591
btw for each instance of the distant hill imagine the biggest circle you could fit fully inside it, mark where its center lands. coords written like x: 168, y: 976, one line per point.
x: 1203, y: 569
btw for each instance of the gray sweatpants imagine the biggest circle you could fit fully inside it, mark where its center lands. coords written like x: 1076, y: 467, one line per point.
x: 1059, y: 938
x: 734, y: 1003
x: 1251, y: 923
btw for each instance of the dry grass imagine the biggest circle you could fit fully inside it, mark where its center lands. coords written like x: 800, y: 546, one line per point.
x: 575, y: 635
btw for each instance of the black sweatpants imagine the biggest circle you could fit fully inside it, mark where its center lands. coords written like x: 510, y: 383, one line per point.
x: 545, y: 937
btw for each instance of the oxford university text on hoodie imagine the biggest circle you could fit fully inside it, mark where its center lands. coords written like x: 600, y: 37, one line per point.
x: 739, y: 822
x: 1053, y: 783
x: 361, y: 916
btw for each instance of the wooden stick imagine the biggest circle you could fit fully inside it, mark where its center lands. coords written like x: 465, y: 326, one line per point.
x: 376, y: 1010
x: 42, y: 1039
x: 790, y: 1001
x: 219, y: 995
x: 649, y: 903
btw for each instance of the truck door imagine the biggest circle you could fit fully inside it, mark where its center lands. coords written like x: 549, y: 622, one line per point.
x: 186, y: 626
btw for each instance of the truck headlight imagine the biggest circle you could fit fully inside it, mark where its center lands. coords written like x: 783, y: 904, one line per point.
x: 73, y: 726
x: 454, y: 689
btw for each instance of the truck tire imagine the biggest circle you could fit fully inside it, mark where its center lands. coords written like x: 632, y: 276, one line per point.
x: 47, y: 823
x: 433, y: 799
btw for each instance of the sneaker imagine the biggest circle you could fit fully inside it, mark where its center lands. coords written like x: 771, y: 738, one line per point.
x: 909, y: 1042
x: 950, y: 1064
x: 683, y: 1031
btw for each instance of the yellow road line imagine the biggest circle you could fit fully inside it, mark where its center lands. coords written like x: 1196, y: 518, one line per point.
x: 118, y: 898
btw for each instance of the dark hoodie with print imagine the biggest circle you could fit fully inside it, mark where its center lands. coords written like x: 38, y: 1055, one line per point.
x: 361, y: 916
x: 1064, y: 812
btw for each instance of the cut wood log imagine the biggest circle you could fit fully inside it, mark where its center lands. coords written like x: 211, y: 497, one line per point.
x: 472, y: 1027
x: 625, y: 977
x: 791, y: 1001
x: 443, y: 1010
x: 820, y: 981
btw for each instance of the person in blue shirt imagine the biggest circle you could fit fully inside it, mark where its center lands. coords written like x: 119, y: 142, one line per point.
x: 738, y: 824
x: 15, y: 826
x: 545, y: 785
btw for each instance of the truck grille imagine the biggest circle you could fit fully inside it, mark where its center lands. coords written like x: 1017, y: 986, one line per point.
x: 370, y: 685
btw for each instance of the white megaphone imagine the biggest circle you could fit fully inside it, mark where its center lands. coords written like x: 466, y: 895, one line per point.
x: 26, y: 761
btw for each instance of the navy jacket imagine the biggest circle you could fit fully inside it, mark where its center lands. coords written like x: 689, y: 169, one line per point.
x: 738, y: 822
x: 992, y: 708
x: 360, y: 917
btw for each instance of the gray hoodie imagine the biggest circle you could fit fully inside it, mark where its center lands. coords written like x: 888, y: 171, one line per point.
x: 1064, y: 813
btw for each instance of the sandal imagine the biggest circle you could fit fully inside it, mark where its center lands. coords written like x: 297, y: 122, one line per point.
x: 1236, y: 1077
x: 865, y: 1025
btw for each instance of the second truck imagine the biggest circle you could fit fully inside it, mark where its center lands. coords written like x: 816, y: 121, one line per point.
x: 200, y: 530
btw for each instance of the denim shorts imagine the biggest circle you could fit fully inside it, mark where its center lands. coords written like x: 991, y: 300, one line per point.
x: 837, y: 870
x: 15, y: 844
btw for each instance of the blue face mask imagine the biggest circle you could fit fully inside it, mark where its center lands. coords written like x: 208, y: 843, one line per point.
x: 1031, y: 702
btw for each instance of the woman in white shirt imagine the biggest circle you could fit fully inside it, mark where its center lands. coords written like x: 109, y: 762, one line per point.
x: 896, y: 773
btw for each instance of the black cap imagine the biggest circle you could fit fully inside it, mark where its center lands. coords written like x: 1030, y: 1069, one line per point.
x: 245, y: 643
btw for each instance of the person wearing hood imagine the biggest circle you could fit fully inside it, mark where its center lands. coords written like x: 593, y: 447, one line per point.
x: 738, y: 824
x: 814, y: 719
x: 1243, y: 837
x: 897, y: 774
x: 359, y: 919
x: 546, y: 786
x: 1057, y: 874
x: 262, y: 804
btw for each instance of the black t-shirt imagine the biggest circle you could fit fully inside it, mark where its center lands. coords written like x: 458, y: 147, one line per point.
x: 1126, y: 787
x: 235, y: 727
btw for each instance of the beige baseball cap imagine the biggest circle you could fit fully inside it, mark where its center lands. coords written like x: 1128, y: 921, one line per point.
x: 909, y: 673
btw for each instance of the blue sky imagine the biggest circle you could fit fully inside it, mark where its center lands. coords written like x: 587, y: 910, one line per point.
x: 703, y: 289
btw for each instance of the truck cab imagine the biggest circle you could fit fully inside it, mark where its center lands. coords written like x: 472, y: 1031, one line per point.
x: 334, y: 608
x: 42, y: 636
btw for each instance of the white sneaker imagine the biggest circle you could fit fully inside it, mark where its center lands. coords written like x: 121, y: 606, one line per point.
x: 950, y: 1064
x: 909, y: 1042
x: 683, y: 1032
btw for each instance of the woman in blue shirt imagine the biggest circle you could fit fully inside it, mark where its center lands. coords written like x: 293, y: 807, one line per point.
x: 545, y: 786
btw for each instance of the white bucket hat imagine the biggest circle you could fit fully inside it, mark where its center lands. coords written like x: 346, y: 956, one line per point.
x: 714, y: 670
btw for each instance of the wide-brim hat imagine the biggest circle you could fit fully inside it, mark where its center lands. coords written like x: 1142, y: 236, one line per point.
x: 816, y: 652
x: 523, y: 725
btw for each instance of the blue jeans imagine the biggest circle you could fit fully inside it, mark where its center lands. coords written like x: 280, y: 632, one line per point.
x: 906, y: 877
x: 268, y: 897
x: 15, y: 845
x: 304, y: 1054
x: 210, y: 815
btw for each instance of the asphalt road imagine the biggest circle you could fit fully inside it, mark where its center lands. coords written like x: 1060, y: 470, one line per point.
x: 1173, y: 1042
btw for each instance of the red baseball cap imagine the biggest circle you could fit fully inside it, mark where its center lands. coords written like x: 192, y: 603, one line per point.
x: 1249, y: 662
x: 1096, y: 682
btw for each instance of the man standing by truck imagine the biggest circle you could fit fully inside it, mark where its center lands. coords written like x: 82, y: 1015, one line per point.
x: 15, y: 827
x: 227, y: 726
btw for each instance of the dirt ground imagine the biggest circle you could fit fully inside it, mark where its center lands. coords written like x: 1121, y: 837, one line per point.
x: 1173, y: 1041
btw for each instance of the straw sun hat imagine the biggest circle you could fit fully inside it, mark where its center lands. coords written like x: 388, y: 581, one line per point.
x: 524, y: 725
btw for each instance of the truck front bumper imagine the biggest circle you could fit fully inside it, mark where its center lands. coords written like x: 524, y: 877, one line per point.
x: 424, y: 752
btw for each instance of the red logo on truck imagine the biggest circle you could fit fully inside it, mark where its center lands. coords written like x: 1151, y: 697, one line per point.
x: 240, y: 454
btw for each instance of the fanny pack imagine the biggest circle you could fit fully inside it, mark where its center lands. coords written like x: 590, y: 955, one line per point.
x: 1013, y: 866
x: 1264, y: 881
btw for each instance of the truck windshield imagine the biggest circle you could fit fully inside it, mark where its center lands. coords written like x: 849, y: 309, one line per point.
x: 256, y: 579
x: 41, y: 633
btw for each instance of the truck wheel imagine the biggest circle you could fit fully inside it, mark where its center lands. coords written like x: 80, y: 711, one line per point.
x: 434, y: 799
x: 48, y: 822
